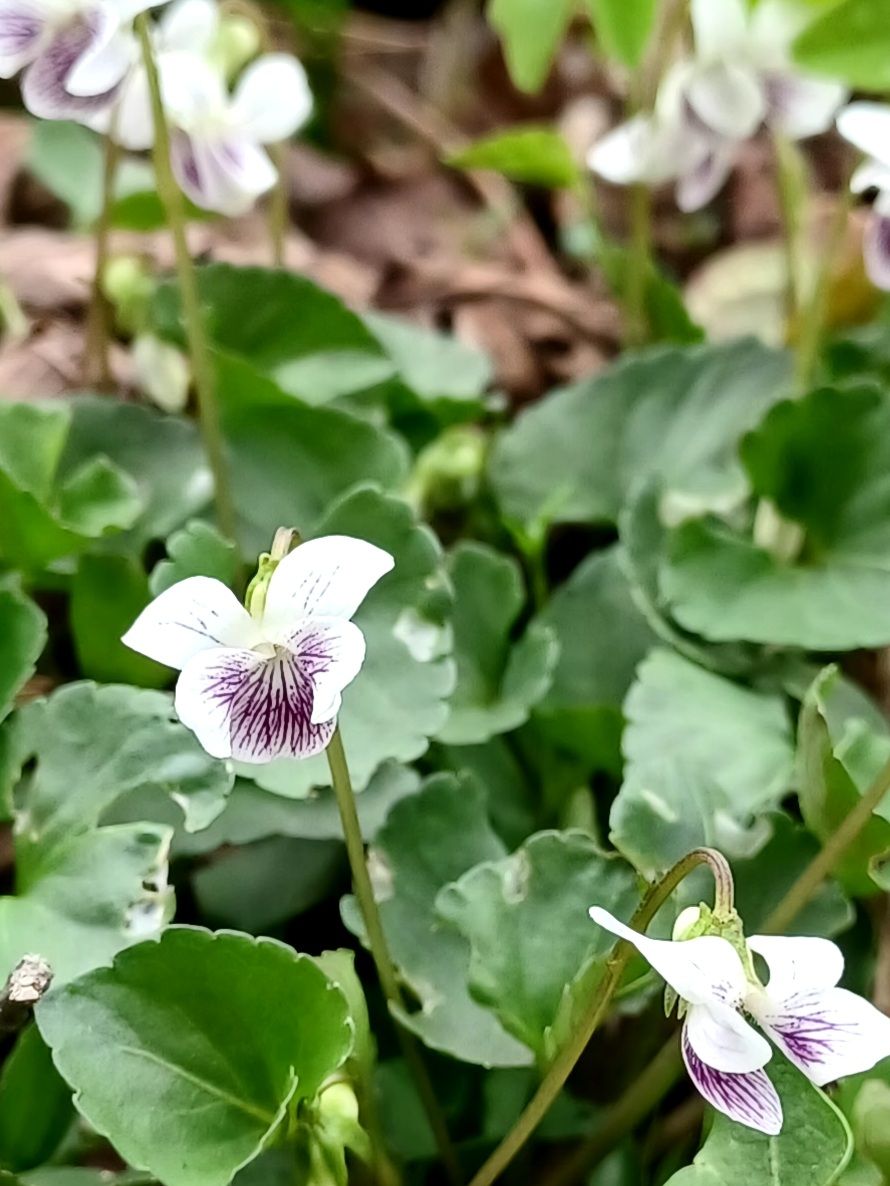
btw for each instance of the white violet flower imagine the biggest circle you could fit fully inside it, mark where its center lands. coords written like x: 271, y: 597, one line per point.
x: 867, y: 126
x: 825, y: 1031
x: 253, y: 688
x: 75, y: 53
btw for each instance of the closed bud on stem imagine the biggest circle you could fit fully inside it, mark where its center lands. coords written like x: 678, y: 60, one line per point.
x: 128, y: 285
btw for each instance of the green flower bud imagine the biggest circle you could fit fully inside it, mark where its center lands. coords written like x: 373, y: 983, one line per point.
x: 238, y: 42
x: 128, y: 285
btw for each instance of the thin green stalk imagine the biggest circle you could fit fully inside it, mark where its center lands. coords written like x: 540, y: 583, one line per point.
x: 639, y: 262
x: 364, y: 892
x: 790, y: 193
x: 278, y: 207
x: 564, y: 1063
x: 199, y: 352
x: 826, y: 860
x: 813, y: 314
x: 96, y: 364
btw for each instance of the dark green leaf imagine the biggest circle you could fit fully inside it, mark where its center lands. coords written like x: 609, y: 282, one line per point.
x: 35, y: 1105
x: 534, y: 154
x: 623, y: 27
x: 531, y: 31
x: 22, y: 638
x: 850, y: 43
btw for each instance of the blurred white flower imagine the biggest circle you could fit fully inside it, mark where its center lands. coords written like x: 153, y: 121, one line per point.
x: 75, y: 53
x: 258, y: 688
x: 867, y: 126
x: 740, y: 77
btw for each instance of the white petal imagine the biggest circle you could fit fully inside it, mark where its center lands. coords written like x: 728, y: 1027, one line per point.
x: 23, y: 30
x: 749, y: 1098
x: 254, y: 709
x: 134, y: 124
x: 330, y: 651
x: 639, y: 150
x: 801, y: 107
x: 827, y: 1033
x: 867, y: 127
x: 876, y: 249
x: 222, y: 175
x: 191, y: 616
x: 720, y: 26
x: 702, y: 971
x: 195, y: 96
x: 707, y: 176
x: 44, y: 84
x: 798, y: 962
x: 188, y: 26
x: 327, y: 577
x: 272, y: 99
x: 724, y: 1041
x: 870, y: 175
x: 728, y: 98
x: 104, y: 64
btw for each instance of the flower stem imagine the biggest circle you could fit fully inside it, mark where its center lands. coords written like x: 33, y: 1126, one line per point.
x: 278, y: 207
x: 790, y: 193
x: 825, y: 861
x: 96, y: 365
x: 564, y: 1063
x: 199, y: 351
x: 813, y: 314
x: 364, y: 892
x: 638, y: 265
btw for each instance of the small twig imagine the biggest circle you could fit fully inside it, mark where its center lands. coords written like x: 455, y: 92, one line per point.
x: 26, y: 984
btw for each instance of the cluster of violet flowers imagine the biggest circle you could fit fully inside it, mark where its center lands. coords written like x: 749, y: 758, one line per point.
x: 80, y: 60
x: 738, y: 78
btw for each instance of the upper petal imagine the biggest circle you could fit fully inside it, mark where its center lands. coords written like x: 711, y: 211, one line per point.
x: 105, y: 62
x: 702, y: 971
x: 827, y: 1033
x: 23, y: 29
x: 327, y: 577
x: 870, y: 175
x: 330, y: 651
x: 188, y: 26
x: 272, y: 99
x: 720, y: 26
x: 189, y: 617
x: 867, y: 126
x: 747, y: 1097
x: 44, y: 86
x: 798, y: 962
x: 242, y: 705
x: 728, y: 98
x: 801, y: 107
x: 722, y: 1038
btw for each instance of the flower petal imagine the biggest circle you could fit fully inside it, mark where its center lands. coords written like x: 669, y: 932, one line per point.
x: 327, y: 577
x: 134, y: 124
x: 749, y: 1097
x: 701, y: 183
x: 867, y: 127
x: 44, y: 89
x: 728, y: 98
x: 191, y: 616
x: 642, y: 149
x: 272, y: 99
x: 23, y: 29
x: 801, y: 107
x: 723, y: 1040
x: 104, y: 64
x: 188, y: 26
x: 720, y: 26
x: 242, y: 705
x: 798, y: 962
x: 870, y: 175
x: 330, y: 652
x: 876, y: 249
x: 827, y: 1033
x: 702, y: 971
x: 222, y: 175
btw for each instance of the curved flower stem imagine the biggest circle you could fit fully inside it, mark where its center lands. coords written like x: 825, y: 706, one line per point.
x: 199, y: 351
x: 812, y: 317
x: 564, y: 1063
x: 824, y: 862
x: 96, y: 366
x: 364, y: 892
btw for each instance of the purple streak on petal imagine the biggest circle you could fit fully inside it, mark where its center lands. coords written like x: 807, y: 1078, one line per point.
x: 19, y: 29
x: 748, y: 1097
x: 876, y: 249
x: 811, y: 1034
x: 43, y: 86
x: 269, y: 707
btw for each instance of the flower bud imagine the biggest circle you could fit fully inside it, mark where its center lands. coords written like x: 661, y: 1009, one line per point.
x: 238, y: 42
x: 128, y: 285
x: 687, y: 921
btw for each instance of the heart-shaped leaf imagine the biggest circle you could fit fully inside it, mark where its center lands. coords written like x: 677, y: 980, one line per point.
x: 22, y: 638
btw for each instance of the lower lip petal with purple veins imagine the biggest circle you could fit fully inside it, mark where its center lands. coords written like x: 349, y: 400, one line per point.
x: 748, y: 1097
x: 876, y: 250
x: 22, y: 27
x: 43, y: 87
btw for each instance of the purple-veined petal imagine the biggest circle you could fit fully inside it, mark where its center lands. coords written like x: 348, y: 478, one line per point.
x: 748, y: 1097
x: 800, y: 107
x: 193, y: 615
x: 188, y: 26
x: 23, y: 30
x: 723, y: 1040
x: 798, y: 962
x: 330, y: 651
x: 222, y: 175
x: 44, y: 89
x: 272, y: 99
x: 706, y: 176
x: 720, y: 26
x: 867, y: 127
x: 105, y: 62
x: 327, y: 577
x: 250, y: 707
x: 728, y: 98
x: 702, y: 971
x: 876, y: 249
x: 827, y: 1033
x: 645, y: 148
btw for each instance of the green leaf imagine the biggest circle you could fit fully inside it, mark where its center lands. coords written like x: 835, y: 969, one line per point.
x: 812, y: 1149
x: 222, y: 1033
x: 498, y: 682
x: 22, y: 638
x: 623, y: 27
x: 821, y: 462
x: 429, y: 840
x: 35, y: 1105
x: 531, y: 31
x: 398, y: 700
x: 197, y: 550
x: 533, y: 154
x: 436, y: 367
x: 851, y: 43
x: 525, y: 918
x: 575, y: 456
x: 288, y: 460
x: 703, y: 757
x: 107, y: 594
